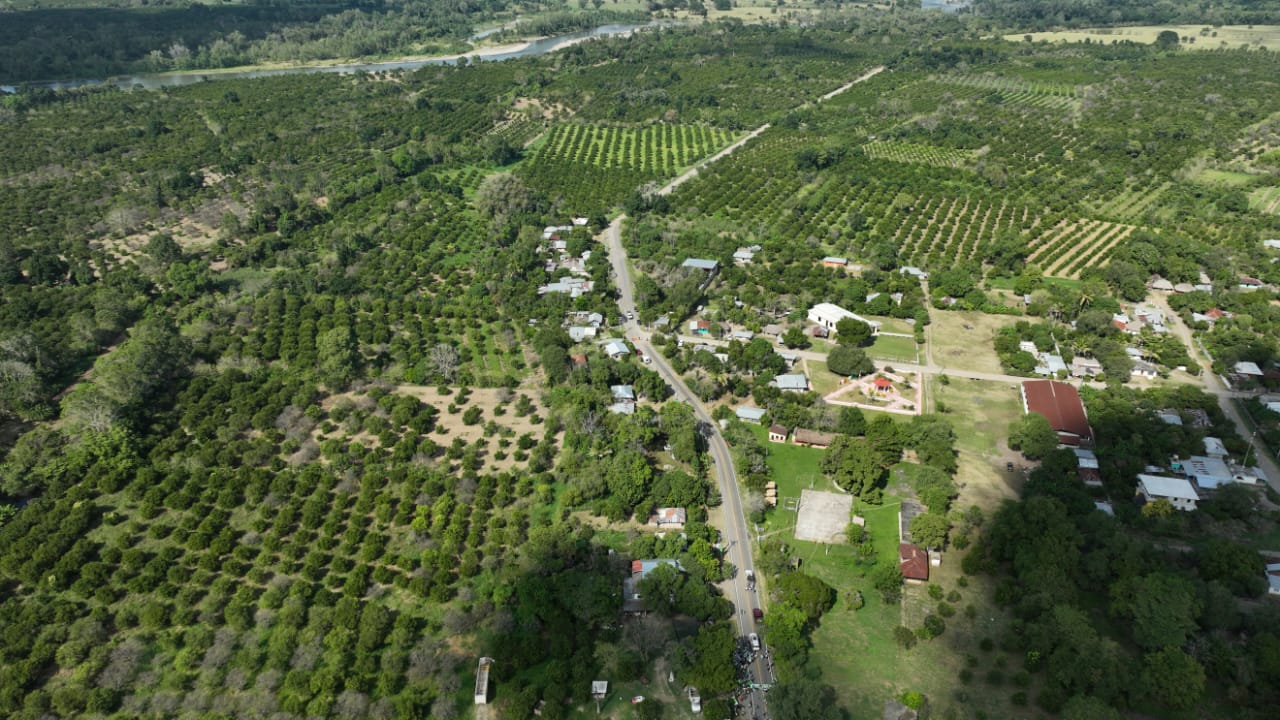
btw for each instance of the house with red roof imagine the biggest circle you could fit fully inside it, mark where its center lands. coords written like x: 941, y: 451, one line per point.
x: 914, y: 562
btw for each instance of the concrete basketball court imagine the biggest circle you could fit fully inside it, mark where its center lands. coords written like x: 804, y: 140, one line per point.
x: 823, y: 516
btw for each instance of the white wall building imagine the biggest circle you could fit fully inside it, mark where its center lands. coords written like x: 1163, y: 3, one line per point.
x: 1177, y: 491
x: 828, y: 315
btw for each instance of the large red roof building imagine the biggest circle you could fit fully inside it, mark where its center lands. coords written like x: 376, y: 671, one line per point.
x: 1061, y: 404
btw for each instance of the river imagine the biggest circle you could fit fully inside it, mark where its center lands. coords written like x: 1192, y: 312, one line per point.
x: 541, y: 46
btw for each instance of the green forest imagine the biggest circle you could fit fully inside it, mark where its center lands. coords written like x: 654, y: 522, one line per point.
x: 295, y: 421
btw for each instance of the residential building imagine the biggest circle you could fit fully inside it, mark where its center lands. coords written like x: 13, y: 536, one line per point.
x: 699, y: 327
x: 792, y: 382
x: 579, y: 333
x: 1159, y: 283
x: 1273, y: 578
x: 1178, y: 491
x: 1249, y: 283
x: 750, y: 414
x: 616, y: 348
x: 1060, y: 403
x: 623, y: 393
x: 1247, y: 368
x: 1169, y: 417
x: 1144, y: 369
x: 1082, y: 367
x: 743, y: 256
x: 743, y: 335
x: 827, y: 315
x: 672, y: 517
x: 778, y: 433
x: 914, y: 563
x: 632, y: 603
x: 1213, y: 447
x: 1051, y: 364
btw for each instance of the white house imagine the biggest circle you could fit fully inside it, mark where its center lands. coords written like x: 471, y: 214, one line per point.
x: 578, y: 333
x: 913, y: 272
x: 1273, y: 578
x: 616, y: 349
x: 1244, y: 367
x: 673, y: 517
x: 1178, y: 491
x: 827, y: 315
x: 623, y: 393
x: 750, y: 414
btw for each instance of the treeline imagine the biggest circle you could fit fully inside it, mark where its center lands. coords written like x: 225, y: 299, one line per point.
x: 92, y: 42
x: 1047, y: 14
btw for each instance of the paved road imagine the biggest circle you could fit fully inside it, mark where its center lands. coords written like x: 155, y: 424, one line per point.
x: 735, y: 530
x: 1213, y: 384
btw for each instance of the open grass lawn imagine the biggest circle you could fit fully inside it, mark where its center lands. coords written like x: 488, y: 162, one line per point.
x: 979, y: 410
x: 821, y: 379
x: 893, y: 325
x: 1209, y: 176
x: 963, y: 340
x: 1206, y: 37
x: 892, y: 348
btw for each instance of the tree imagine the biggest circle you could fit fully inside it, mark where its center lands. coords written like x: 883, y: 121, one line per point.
x: 1161, y: 606
x: 444, y: 359
x: 1167, y: 39
x: 852, y: 332
x: 804, y: 699
x: 794, y: 338
x: 337, y: 354
x: 502, y: 197
x: 852, y: 422
x: 887, y: 578
x: 850, y: 361
x: 806, y: 592
x: 929, y: 530
x: 1083, y: 707
x: 1237, y: 566
x: 1033, y: 435
x: 852, y: 464
x: 1172, y: 678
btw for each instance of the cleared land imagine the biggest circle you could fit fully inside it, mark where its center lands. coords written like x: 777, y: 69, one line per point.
x: 1203, y: 37
x: 963, y: 340
x: 823, y: 516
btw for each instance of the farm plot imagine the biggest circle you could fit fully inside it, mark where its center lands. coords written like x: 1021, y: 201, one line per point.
x: 1131, y: 204
x: 660, y: 149
x: 942, y: 231
x: 1069, y: 247
x: 1265, y: 200
x: 915, y: 153
x: 1021, y: 91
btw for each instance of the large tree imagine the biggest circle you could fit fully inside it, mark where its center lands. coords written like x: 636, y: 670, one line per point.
x: 850, y: 361
x: 929, y: 530
x: 804, y: 700
x: 1033, y: 435
x: 853, y: 332
x: 1161, y: 606
x: 854, y: 465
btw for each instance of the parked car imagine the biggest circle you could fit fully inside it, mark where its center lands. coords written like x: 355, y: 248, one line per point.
x: 758, y: 614
x: 755, y: 641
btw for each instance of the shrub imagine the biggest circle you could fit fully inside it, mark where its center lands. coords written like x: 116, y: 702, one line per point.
x: 935, y: 591
x: 946, y: 610
x: 905, y: 637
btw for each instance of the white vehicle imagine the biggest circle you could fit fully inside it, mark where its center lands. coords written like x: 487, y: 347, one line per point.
x: 755, y: 641
x: 751, y: 580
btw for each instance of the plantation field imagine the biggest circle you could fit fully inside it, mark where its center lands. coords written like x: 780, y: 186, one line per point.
x: 660, y: 149
x: 1022, y: 91
x: 1069, y: 247
x: 942, y: 231
x: 1205, y: 37
x: 915, y: 153
x: 1265, y: 200
x: 1130, y: 204
x: 1230, y: 178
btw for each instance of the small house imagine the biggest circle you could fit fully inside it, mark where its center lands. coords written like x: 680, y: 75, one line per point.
x: 1082, y: 367
x: 1144, y: 369
x: 744, y: 256
x: 1249, y: 283
x: 616, y: 349
x: 672, y: 518
x: 699, y: 327
x: 742, y: 335
x: 914, y: 272
x: 632, y: 602
x: 1159, y: 283
x: 1178, y: 491
x: 835, y: 262
x: 1207, y: 472
x: 1247, y: 368
x: 1273, y: 578
x: 1183, y: 288
x: 914, y: 563
x: 778, y: 433
x: 750, y: 414
x: 1169, y: 417
x: 579, y: 333
x: 1213, y: 447
x: 579, y: 360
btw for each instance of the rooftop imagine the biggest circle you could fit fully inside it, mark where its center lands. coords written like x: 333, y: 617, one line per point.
x: 1161, y: 486
x: 914, y: 562
x: 700, y: 264
x: 1060, y: 403
x: 750, y: 413
x: 792, y: 381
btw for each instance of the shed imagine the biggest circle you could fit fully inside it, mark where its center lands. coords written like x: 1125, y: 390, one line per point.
x: 834, y: 262
x: 701, y: 264
x: 750, y: 414
x: 812, y: 438
x: 792, y: 382
x: 1161, y: 284
x: 1245, y: 367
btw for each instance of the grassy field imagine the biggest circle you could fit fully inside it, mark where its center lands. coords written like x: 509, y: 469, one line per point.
x: 1265, y: 200
x: 963, y: 340
x: 1204, y: 36
x: 1210, y: 176
x: 894, y: 349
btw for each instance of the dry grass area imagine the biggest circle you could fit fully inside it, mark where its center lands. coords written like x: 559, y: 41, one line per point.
x: 964, y: 340
x: 1201, y: 37
x: 450, y: 426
